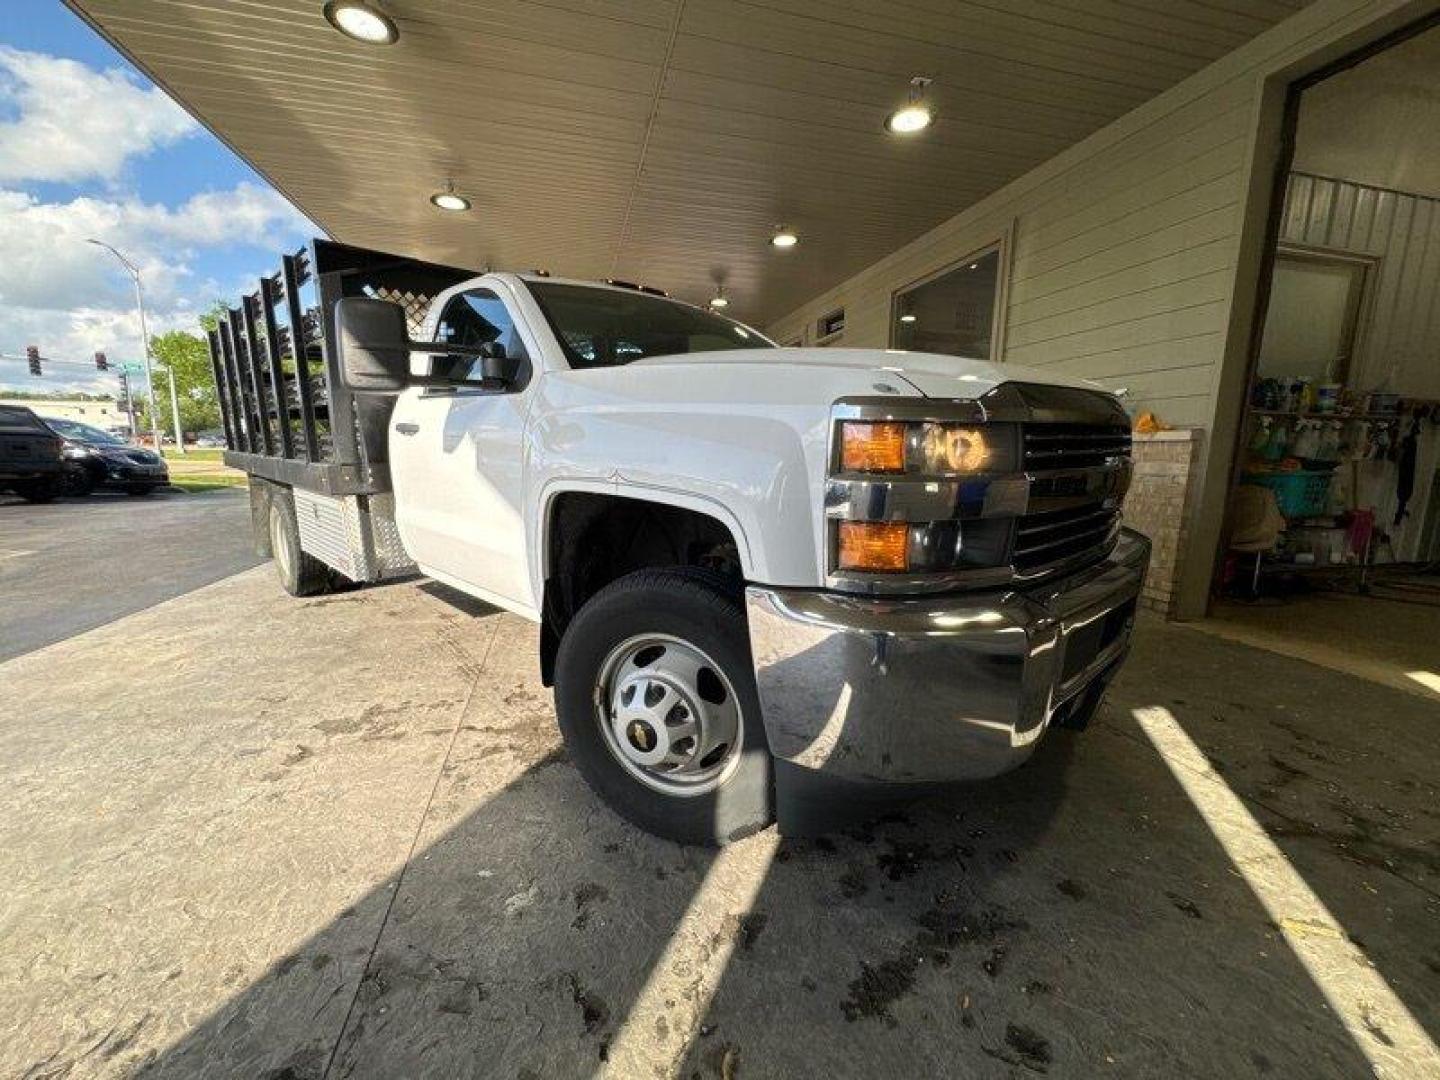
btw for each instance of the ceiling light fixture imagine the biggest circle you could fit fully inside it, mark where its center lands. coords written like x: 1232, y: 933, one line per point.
x: 719, y: 300
x: 449, y: 199
x: 362, y: 22
x: 907, y: 318
x: 915, y: 115
x: 784, y: 238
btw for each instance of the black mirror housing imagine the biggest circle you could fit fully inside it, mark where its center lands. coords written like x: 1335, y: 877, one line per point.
x: 374, y: 345
x: 497, y: 369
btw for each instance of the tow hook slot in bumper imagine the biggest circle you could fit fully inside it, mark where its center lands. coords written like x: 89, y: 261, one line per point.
x: 938, y: 689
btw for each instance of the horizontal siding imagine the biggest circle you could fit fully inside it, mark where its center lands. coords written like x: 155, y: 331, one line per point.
x: 1122, y: 263
x: 1400, y: 341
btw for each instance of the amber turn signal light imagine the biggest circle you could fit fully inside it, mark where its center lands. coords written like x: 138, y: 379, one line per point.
x: 874, y: 546
x: 866, y: 447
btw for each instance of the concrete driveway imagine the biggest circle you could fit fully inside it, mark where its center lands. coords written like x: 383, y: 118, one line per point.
x: 338, y: 837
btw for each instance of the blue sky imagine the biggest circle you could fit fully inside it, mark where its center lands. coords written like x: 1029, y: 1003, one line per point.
x: 89, y: 147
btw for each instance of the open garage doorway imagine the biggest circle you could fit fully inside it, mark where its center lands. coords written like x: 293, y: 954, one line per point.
x: 1333, y: 549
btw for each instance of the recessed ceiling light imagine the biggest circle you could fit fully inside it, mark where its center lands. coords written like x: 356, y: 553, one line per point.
x: 362, y: 22
x: 719, y: 300
x: 450, y: 200
x: 784, y: 238
x: 910, y: 119
x: 907, y: 318
x: 974, y: 265
x: 915, y: 115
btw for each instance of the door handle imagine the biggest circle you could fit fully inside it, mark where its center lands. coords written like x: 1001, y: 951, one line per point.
x: 407, y: 428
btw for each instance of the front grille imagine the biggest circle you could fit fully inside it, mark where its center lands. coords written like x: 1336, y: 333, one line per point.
x: 1074, y: 446
x: 1061, y: 535
x: 1068, y: 463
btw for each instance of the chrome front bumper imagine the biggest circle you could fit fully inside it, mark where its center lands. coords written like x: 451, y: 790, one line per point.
x: 939, y: 688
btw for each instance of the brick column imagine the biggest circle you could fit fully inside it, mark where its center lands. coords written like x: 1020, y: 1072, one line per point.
x: 1158, y: 506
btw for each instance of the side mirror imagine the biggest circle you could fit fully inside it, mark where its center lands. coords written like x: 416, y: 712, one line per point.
x: 497, y: 369
x: 374, y: 345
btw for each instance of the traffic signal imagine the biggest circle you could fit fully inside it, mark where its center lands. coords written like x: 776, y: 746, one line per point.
x: 101, y: 364
x: 32, y: 354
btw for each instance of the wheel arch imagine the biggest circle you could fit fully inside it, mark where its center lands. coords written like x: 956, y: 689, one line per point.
x: 590, y: 536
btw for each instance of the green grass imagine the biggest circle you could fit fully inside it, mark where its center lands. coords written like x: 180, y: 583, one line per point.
x: 195, y: 453
x: 192, y: 484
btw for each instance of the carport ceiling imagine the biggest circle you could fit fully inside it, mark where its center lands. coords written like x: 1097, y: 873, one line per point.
x: 663, y: 140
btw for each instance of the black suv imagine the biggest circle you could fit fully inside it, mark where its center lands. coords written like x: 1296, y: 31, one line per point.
x: 97, y: 459
x: 30, y: 462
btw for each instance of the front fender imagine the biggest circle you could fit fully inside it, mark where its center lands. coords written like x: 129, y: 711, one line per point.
x: 756, y: 467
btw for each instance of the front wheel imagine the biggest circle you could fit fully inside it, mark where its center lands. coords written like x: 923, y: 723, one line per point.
x: 39, y: 491
x: 656, y: 699
x: 77, y: 480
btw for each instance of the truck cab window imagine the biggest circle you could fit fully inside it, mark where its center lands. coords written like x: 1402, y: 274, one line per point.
x: 608, y: 327
x: 473, y: 319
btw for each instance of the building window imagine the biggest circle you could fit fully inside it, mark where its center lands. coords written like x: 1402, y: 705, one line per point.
x: 830, y: 326
x: 953, y: 312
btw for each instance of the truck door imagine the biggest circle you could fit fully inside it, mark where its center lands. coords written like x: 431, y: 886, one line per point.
x: 456, y: 458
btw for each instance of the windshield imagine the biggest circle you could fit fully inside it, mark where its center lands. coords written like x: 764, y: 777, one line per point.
x: 73, y: 429
x: 607, y: 327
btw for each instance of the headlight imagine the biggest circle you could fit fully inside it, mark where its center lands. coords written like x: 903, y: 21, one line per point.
x: 951, y: 448
x: 925, y: 448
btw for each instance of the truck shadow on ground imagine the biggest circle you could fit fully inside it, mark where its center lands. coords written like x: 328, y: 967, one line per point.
x: 1047, y: 921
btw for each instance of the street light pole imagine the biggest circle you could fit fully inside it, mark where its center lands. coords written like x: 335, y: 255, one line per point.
x: 134, y: 273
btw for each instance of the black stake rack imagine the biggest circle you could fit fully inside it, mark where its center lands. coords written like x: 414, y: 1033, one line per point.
x: 287, y: 414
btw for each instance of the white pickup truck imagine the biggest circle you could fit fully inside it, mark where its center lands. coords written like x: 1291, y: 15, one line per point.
x: 766, y: 579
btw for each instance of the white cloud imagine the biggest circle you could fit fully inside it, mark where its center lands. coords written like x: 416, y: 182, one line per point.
x: 74, y: 123
x: 71, y: 298
x: 49, y: 265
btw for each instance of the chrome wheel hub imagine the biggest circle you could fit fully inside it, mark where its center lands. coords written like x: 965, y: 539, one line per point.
x: 669, y: 714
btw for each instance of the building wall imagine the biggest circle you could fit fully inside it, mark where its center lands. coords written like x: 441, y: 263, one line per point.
x: 1128, y: 250
x: 102, y: 414
x: 1398, y: 349
x: 1399, y: 346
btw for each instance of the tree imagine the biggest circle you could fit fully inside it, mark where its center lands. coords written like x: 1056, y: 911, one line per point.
x: 188, y: 357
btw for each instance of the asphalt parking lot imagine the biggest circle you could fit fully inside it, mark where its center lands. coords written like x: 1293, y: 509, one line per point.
x: 338, y: 837
x: 77, y: 563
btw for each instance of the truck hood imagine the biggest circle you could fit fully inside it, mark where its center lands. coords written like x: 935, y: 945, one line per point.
x: 931, y: 375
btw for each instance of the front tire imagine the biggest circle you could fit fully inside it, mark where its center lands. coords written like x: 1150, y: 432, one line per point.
x: 39, y: 491
x: 78, y: 481
x: 656, y: 698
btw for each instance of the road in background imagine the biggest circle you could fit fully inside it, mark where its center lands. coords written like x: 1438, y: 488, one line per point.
x: 76, y: 564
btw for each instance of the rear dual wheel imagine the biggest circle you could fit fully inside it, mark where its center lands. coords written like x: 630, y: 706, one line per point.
x: 656, y: 699
x: 300, y: 573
